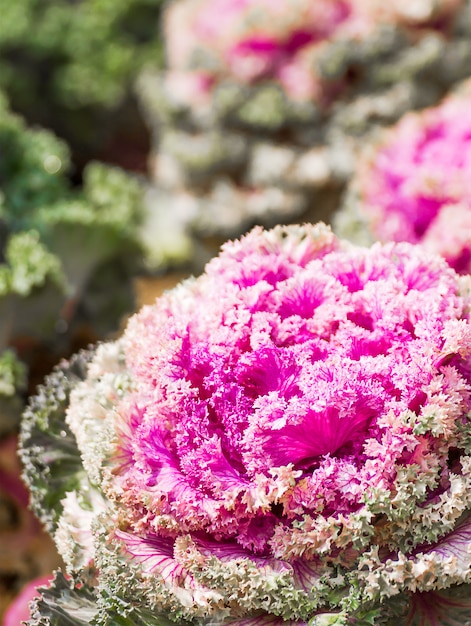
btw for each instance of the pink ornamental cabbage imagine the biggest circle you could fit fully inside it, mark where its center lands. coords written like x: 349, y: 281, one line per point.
x: 253, y: 40
x: 208, y: 41
x: 414, y: 185
x: 284, y: 439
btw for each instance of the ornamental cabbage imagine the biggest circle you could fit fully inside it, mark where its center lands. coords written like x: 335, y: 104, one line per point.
x: 208, y: 41
x: 260, y: 110
x: 255, y: 40
x: 412, y: 184
x: 285, y: 439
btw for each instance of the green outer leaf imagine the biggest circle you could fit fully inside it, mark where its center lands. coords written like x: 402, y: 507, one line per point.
x: 65, y: 603
x: 61, y: 604
x: 139, y: 617
x: 48, y: 449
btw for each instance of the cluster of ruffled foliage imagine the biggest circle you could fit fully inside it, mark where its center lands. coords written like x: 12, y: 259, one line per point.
x: 50, y: 229
x: 258, y: 114
x: 285, y: 439
x: 70, y: 66
x: 412, y: 183
x: 68, y: 253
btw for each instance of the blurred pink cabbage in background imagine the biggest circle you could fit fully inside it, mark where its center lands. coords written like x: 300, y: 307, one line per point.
x: 252, y: 40
x: 414, y: 184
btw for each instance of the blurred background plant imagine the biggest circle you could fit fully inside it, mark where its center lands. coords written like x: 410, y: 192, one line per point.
x: 69, y: 65
x: 411, y: 182
x: 260, y: 110
x: 56, y: 236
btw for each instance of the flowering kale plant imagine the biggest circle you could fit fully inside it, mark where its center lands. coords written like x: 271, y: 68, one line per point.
x: 284, y: 440
x: 255, y: 40
x: 286, y: 41
x: 413, y: 184
x: 263, y: 104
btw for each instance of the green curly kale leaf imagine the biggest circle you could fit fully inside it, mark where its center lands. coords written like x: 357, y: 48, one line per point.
x: 51, y: 459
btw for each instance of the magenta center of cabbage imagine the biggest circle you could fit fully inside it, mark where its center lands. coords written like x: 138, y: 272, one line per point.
x: 279, y: 364
x: 271, y: 53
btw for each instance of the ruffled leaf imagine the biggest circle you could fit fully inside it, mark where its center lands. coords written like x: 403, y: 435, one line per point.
x: 62, y: 604
x: 48, y: 449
